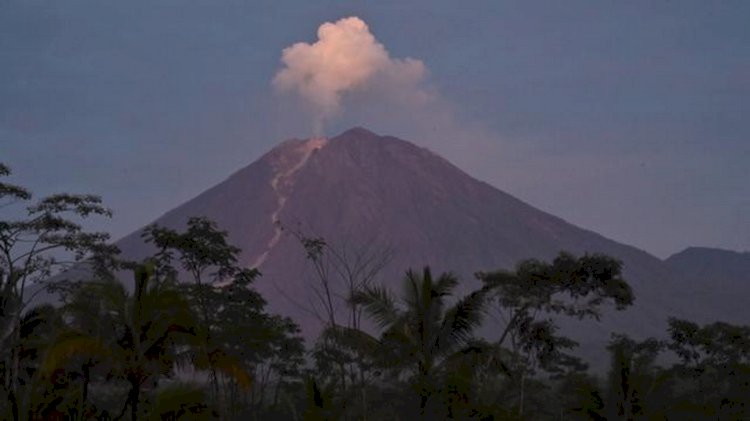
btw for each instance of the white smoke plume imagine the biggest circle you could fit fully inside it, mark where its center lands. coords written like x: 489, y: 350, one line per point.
x: 346, y: 58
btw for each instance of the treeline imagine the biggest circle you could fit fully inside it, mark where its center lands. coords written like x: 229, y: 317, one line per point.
x: 183, y: 335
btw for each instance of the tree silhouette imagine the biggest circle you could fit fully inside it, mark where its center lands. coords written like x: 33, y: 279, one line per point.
x: 634, y: 379
x: 529, y: 296
x: 342, y: 352
x: 130, y: 337
x: 232, y: 321
x: 47, y: 238
x: 420, y: 330
x: 713, y: 373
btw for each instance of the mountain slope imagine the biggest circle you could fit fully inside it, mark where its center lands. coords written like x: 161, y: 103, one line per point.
x: 359, y: 188
x: 721, y: 277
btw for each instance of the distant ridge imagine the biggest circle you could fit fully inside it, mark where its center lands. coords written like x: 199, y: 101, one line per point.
x: 722, y: 277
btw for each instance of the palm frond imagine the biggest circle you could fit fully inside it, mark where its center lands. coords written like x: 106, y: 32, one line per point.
x: 445, y: 284
x: 461, y: 320
x: 412, y: 296
x: 379, y: 304
x: 478, y: 355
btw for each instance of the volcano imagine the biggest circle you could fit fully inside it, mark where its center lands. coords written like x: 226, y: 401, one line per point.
x: 359, y: 189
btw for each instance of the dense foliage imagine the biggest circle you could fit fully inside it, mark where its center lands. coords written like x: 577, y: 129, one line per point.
x: 184, y: 335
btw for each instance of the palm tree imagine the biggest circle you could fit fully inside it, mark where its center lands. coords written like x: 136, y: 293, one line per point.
x: 131, y: 336
x: 420, y: 331
x: 37, y: 328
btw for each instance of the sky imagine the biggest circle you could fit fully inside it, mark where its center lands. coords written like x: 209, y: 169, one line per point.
x: 631, y: 119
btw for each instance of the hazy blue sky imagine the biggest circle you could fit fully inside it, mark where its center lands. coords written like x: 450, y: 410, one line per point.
x: 630, y: 118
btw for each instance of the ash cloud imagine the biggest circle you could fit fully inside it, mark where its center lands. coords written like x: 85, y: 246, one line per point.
x: 346, y: 59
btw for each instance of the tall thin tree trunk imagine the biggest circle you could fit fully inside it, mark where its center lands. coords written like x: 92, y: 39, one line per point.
x: 14, y: 406
x: 135, y: 397
x: 521, y: 397
x: 363, y: 392
x: 85, y: 392
x: 15, y: 361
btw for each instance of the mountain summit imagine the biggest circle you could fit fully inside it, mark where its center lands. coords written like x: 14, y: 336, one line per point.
x: 359, y: 189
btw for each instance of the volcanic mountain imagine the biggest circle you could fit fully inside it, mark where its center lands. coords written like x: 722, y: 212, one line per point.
x: 362, y: 191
